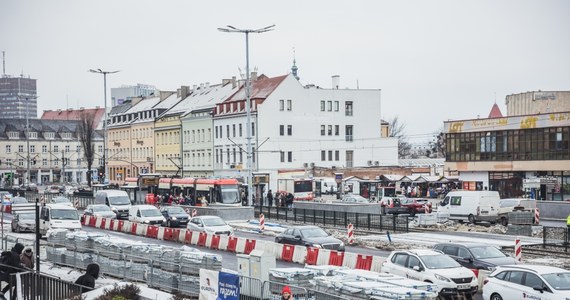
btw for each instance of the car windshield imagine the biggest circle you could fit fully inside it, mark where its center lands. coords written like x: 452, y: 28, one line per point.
x: 486, y: 252
x: 313, y: 232
x: 19, y: 200
x: 439, y: 261
x: 558, y: 281
x: 61, y: 200
x: 213, y: 222
x: 64, y: 214
x: 101, y: 208
x: 150, y: 213
x: 175, y: 210
x: 27, y: 216
x: 119, y: 200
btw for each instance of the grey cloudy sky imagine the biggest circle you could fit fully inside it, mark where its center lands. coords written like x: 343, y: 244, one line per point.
x: 433, y: 60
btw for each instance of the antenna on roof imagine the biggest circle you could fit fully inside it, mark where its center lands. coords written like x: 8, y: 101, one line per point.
x: 495, y: 97
x: 241, y: 73
x: 4, y: 63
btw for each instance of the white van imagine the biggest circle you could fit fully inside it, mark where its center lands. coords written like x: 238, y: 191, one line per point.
x: 146, y: 214
x: 471, y: 206
x: 328, y: 185
x: 58, y: 216
x: 117, y: 200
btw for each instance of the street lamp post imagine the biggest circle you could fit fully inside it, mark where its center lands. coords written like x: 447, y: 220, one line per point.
x: 232, y: 29
x: 99, y: 71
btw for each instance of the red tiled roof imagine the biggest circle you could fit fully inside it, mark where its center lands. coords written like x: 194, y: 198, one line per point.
x: 260, y: 88
x: 72, y: 114
x: 495, y: 112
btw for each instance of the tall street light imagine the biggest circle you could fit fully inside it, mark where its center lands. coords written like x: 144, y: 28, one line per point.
x: 232, y: 29
x: 99, y: 71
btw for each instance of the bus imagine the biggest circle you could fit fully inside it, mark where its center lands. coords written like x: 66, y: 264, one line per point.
x: 303, y: 189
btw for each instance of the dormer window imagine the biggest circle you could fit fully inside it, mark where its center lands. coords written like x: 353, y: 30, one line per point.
x: 66, y: 135
x: 13, y: 135
x: 50, y: 135
x: 32, y: 135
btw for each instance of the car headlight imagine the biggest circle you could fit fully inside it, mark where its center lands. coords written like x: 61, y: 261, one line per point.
x: 173, y: 218
x: 442, y: 278
x: 342, y: 244
x: 114, y: 208
x: 491, y: 269
x: 145, y: 221
x: 317, y: 246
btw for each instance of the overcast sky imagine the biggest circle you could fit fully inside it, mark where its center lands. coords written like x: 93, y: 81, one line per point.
x: 433, y: 60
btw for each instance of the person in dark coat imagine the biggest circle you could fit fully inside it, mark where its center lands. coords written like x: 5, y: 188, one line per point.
x: 87, y: 280
x: 289, y: 200
x: 269, y: 198
x: 11, y: 264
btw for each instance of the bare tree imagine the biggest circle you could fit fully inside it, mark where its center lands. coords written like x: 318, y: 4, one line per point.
x: 437, y: 145
x: 397, y: 129
x: 86, y: 132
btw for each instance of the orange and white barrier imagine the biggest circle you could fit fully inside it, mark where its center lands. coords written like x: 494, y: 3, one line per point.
x: 427, y: 209
x: 194, y: 213
x: 536, y: 216
x: 290, y: 253
x: 350, y: 234
x: 518, y: 250
x: 261, y: 222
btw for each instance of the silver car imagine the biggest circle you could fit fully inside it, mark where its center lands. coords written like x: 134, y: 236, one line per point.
x: 24, y: 222
x: 210, y: 224
x: 100, y: 210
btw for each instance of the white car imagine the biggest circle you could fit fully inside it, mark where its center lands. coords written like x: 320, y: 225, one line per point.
x: 62, y: 201
x: 432, y: 266
x: 210, y: 224
x: 527, y: 282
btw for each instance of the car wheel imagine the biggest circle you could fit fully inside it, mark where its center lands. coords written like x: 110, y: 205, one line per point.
x: 471, y: 219
x: 504, y: 221
x: 18, y: 230
x: 496, y: 297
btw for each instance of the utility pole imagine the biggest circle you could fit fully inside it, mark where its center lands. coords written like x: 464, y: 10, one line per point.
x: 27, y: 143
x: 63, y: 177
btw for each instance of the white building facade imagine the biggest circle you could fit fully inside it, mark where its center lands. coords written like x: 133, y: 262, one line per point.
x: 296, y: 127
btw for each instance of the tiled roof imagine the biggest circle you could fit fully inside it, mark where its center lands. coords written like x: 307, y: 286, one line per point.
x: 495, y: 112
x: 260, y: 88
x: 74, y: 114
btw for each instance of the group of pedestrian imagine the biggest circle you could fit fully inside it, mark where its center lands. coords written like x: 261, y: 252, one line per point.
x: 14, y: 261
x: 282, y: 199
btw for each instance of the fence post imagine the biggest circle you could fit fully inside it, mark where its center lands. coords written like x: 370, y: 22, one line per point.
x: 334, y: 218
x: 356, y: 223
x: 304, y: 215
x: 345, y: 219
x: 544, y: 237
x: 314, y: 216
x: 394, y: 223
x: 368, y: 221
x: 407, y: 224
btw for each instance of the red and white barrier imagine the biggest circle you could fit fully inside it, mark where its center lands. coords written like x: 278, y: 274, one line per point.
x: 518, y: 250
x: 536, y: 216
x: 223, y: 242
x: 240, y: 246
x: 194, y: 213
x: 261, y: 222
x: 323, y: 257
x: 350, y: 234
x: 377, y: 262
x: 349, y: 260
x: 300, y: 254
x: 427, y: 209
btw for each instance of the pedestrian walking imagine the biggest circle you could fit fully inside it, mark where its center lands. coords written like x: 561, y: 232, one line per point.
x: 10, y: 264
x: 87, y: 280
x: 269, y: 198
x: 27, y: 258
x: 286, y: 293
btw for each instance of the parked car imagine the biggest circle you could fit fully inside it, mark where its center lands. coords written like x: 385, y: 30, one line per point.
x: 62, y: 201
x: 476, y: 255
x: 146, y: 214
x: 527, y: 282
x: 415, y: 205
x: 472, y: 206
x: 53, y: 189
x: 24, y: 222
x: 99, y: 210
x: 175, y: 216
x: 58, y: 216
x: 210, y: 224
x: 310, y: 236
x: 451, y: 278
x: 354, y: 199
x: 393, y: 206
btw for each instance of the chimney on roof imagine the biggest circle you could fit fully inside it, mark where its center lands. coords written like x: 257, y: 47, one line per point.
x: 82, y: 108
x: 207, y: 85
x: 184, y: 91
x: 253, y: 76
x: 164, y: 95
x: 201, y: 86
x: 97, y: 107
x: 335, y: 81
x: 194, y: 87
x: 234, y: 83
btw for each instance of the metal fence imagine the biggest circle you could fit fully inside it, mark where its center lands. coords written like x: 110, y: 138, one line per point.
x: 395, y: 223
x: 555, y: 237
x: 78, y: 201
x: 30, y: 286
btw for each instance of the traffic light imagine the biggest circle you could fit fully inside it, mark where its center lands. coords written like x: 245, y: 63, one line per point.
x: 101, y: 172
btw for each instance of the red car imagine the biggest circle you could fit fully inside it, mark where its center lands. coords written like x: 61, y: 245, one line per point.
x: 416, y: 205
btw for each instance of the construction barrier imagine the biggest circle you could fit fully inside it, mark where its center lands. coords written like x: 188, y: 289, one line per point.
x: 261, y: 222
x: 289, y: 253
x: 350, y: 234
x: 518, y: 250
x: 536, y: 216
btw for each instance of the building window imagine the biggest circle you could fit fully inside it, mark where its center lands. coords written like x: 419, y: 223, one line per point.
x: 289, y: 130
x: 21, y: 162
x: 322, y: 129
x: 217, y: 161
x: 20, y: 148
x: 66, y: 148
x: 289, y: 105
x: 44, y: 149
x: 234, y: 130
x: 336, y: 129
x: 234, y: 154
x: 281, y: 129
x: 227, y: 131
x: 78, y: 148
x: 282, y: 156
x: 240, y: 156
x: 348, y: 133
x: 323, y: 155
x: 8, y: 148
x: 330, y: 155
x: 281, y: 105
x: 216, y: 131
x: 336, y: 106
x: 336, y: 155
x: 348, y: 108
x: 240, y: 132
x: 329, y: 104
x: 99, y: 148
x: 322, y: 105
x: 330, y: 130
x: 44, y: 162
x: 228, y: 155
x: 349, y: 158
x: 252, y: 129
x: 32, y: 148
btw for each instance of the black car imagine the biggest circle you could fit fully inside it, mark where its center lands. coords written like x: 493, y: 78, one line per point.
x: 310, y: 236
x: 476, y: 255
x: 175, y: 216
